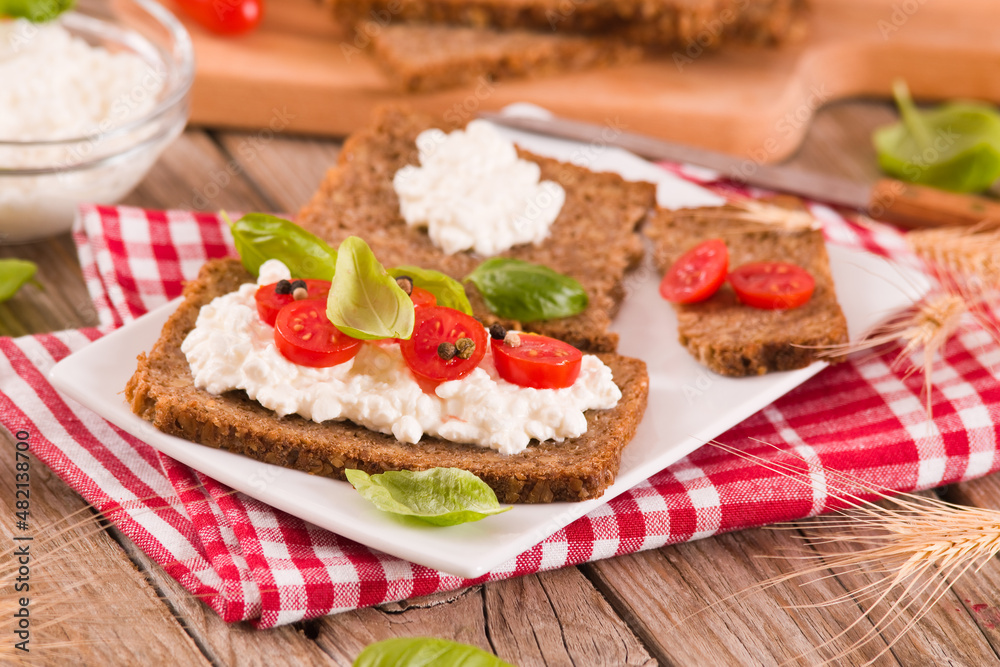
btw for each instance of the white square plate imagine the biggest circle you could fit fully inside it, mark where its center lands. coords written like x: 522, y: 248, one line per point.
x: 687, y: 407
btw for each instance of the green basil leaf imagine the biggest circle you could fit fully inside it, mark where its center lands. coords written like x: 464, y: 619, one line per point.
x: 425, y: 652
x: 365, y: 302
x: 519, y: 290
x: 14, y: 273
x: 36, y: 11
x: 441, y: 496
x: 260, y: 237
x: 954, y: 147
x: 448, y: 291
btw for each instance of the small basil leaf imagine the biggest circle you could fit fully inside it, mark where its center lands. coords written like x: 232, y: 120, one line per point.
x: 365, y: 302
x: 954, y: 147
x: 441, y: 496
x: 14, y: 273
x: 425, y: 652
x: 36, y: 11
x: 519, y: 290
x: 448, y: 291
x: 260, y: 237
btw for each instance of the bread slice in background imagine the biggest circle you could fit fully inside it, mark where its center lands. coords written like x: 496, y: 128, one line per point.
x: 674, y: 24
x: 423, y: 57
x: 737, y: 340
x: 594, y: 239
x: 162, y: 392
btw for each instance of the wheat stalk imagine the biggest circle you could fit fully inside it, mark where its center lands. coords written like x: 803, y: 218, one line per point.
x: 957, y: 300
x: 792, y: 218
x: 969, y: 251
x: 917, y: 547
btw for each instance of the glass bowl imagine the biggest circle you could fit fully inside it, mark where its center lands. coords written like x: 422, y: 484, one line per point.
x: 43, y: 181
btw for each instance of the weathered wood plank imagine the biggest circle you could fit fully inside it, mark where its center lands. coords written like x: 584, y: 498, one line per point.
x: 558, y: 618
x: 943, y: 636
x: 665, y: 594
x: 83, y: 589
x: 978, y: 593
x: 229, y: 644
x: 193, y: 173
x: 287, y: 169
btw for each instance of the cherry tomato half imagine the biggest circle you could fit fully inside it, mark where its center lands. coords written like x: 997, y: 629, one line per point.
x: 539, y: 361
x: 697, y: 274
x: 305, y: 336
x: 772, y: 285
x: 226, y: 17
x: 270, y: 302
x: 422, y: 297
x: 434, y: 325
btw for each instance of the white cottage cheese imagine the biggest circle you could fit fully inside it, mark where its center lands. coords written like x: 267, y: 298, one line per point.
x: 472, y: 191
x: 232, y: 348
x: 56, y: 86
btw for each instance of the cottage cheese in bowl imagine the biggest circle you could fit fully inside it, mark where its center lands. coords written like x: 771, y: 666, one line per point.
x: 88, y: 105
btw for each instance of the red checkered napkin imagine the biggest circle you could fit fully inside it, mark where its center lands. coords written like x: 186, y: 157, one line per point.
x: 249, y: 561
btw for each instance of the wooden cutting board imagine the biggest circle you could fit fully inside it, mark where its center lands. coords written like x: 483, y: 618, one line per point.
x: 301, y: 73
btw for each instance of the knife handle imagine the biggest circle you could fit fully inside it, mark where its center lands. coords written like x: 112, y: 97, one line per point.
x: 919, y: 207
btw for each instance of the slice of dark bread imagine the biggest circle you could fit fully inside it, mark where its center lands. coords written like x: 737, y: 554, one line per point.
x: 659, y: 23
x: 162, y: 392
x: 594, y: 238
x: 423, y: 57
x: 727, y: 336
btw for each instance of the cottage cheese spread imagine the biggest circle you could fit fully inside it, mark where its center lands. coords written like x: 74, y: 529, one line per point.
x: 232, y: 348
x: 471, y: 190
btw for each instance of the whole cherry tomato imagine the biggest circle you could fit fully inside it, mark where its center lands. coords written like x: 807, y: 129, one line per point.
x: 226, y: 17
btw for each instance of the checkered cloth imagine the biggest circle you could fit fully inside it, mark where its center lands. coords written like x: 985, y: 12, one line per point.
x: 249, y: 561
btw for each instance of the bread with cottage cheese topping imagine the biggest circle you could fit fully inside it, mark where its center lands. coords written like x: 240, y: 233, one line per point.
x: 162, y: 392
x: 594, y: 239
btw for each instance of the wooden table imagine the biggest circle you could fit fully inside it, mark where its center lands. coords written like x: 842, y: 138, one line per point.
x: 622, y: 611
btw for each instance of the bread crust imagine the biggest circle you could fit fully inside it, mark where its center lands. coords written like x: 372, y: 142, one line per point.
x: 683, y: 24
x: 162, y: 392
x: 594, y: 239
x: 737, y: 340
x: 421, y: 57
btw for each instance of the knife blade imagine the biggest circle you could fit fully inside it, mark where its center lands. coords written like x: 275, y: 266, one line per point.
x: 903, y: 204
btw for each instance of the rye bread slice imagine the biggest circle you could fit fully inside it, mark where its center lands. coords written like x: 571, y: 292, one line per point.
x: 659, y: 23
x: 423, y: 57
x: 162, y: 392
x: 727, y: 336
x: 594, y: 238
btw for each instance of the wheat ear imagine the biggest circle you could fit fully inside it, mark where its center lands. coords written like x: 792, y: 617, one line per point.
x: 921, y: 545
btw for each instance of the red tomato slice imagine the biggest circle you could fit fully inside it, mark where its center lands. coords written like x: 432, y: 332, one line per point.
x: 270, y: 302
x: 434, y: 325
x: 772, y: 285
x: 305, y: 336
x: 539, y: 361
x: 422, y: 297
x: 227, y: 17
x: 697, y: 274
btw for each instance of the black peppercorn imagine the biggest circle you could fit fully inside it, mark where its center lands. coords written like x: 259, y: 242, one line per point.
x: 406, y: 284
x: 446, y: 351
x: 283, y: 287
x: 497, y: 332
